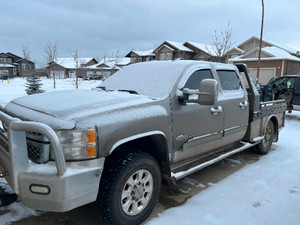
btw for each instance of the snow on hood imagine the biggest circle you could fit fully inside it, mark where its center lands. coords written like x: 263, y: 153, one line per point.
x: 60, y: 109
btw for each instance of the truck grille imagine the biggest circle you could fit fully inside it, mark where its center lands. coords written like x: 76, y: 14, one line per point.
x: 38, y: 147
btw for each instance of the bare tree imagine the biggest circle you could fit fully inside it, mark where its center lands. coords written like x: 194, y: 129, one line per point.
x: 221, y: 43
x: 26, y: 67
x: 51, y: 54
x: 77, y: 65
x: 102, y: 68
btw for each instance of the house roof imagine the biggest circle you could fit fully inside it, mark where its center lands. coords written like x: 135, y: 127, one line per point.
x: 179, y: 46
x: 237, y: 49
x: 6, y: 65
x: 282, y: 46
x: 142, y: 53
x: 279, y: 53
x: 70, y: 63
x: 173, y: 45
x: 4, y: 54
x: 275, y: 53
x: 111, y: 63
x: 14, y: 56
x: 209, y: 49
x: 116, y: 61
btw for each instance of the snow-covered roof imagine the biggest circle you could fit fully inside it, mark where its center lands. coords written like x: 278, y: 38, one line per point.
x: 103, y: 66
x: 7, y: 65
x: 279, y: 45
x: 111, y: 63
x: 70, y: 63
x: 274, y: 52
x: 282, y: 46
x: 279, y: 53
x: 209, y: 49
x: 237, y: 49
x: 144, y: 53
x: 179, y: 46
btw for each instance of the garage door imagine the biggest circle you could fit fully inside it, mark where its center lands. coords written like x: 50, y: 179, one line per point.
x: 265, y: 74
x: 59, y: 74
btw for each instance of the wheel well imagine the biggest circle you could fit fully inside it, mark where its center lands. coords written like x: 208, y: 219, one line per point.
x: 275, y: 123
x: 155, y: 145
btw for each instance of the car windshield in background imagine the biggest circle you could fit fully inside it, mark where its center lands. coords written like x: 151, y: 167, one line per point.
x: 153, y: 79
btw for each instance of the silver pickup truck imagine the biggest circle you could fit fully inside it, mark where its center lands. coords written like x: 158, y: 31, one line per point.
x: 115, y: 144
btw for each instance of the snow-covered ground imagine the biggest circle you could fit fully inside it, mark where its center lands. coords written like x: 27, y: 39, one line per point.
x: 13, y: 88
x: 265, y: 192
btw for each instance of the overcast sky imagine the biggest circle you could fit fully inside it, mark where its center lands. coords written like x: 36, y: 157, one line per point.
x: 96, y: 27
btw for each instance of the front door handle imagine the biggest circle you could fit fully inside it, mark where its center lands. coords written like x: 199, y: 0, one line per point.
x: 244, y: 104
x: 216, y: 110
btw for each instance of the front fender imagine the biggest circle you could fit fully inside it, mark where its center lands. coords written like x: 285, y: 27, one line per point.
x: 129, y: 125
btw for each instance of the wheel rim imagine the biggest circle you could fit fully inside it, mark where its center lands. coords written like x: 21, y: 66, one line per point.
x: 267, y: 137
x: 137, y: 192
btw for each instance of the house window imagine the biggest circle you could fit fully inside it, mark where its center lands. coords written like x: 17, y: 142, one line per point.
x: 140, y: 59
x: 23, y: 66
x: 133, y: 59
x: 9, y: 60
x: 162, y: 56
x: 168, y: 56
x: 148, y: 59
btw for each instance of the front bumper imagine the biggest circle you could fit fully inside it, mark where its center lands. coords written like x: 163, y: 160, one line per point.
x: 55, y: 186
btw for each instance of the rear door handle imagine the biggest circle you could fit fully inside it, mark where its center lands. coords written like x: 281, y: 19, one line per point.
x: 216, y: 110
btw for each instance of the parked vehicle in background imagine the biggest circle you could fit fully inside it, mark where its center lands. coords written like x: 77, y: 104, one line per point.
x: 285, y: 87
x: 3, y: 76
x: 116, y: 143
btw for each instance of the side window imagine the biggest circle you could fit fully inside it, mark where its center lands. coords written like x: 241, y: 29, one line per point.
x: 194, y: 80
x: 229, y: 80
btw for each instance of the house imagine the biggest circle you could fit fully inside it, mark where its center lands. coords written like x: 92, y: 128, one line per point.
x: 276, y: 59
x: 171, y: 50
x: 141, y: 56
x: 202, y: 51
x: 69, y: 67
x: 12, y: 65
x: 106, y: 67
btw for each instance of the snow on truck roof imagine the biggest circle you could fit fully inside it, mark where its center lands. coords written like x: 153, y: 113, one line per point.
x: 155, y: 79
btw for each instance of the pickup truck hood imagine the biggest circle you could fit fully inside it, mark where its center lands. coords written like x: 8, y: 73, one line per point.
x: 61, y: 109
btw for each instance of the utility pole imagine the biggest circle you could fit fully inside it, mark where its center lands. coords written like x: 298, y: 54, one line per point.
x: 260, y: 41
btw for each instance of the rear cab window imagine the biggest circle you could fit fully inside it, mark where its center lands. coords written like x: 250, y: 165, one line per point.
x: 229, y: 80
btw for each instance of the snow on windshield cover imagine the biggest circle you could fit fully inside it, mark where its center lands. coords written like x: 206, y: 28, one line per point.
x: 153, y: 79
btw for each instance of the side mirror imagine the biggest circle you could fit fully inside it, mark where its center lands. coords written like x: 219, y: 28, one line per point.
x: 207, y: 93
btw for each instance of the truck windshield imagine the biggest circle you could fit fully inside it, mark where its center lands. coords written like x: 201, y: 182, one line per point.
x: 153, y: 79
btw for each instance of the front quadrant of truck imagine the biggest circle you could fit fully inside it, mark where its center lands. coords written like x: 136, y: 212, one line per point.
x: 116, y: 143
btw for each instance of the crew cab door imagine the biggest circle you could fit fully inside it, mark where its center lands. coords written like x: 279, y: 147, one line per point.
x: 296, y: 98
x: 197, y: 129
x: 234, y: 102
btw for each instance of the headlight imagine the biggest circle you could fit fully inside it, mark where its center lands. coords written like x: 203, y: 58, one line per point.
x: 78, y: 144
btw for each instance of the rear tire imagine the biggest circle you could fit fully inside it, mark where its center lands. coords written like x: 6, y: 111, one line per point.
x: 265, y: 145
x: 129, y: 188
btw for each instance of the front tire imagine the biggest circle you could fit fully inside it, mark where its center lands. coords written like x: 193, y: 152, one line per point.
x: 265, y: 145
x: 129, y: 189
